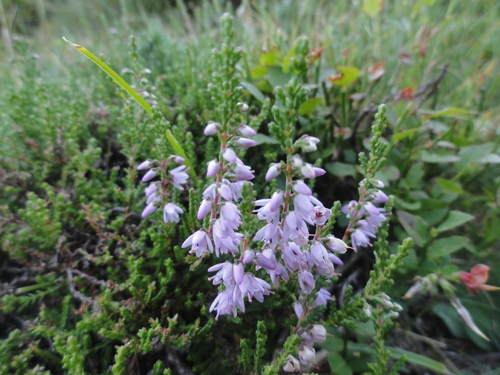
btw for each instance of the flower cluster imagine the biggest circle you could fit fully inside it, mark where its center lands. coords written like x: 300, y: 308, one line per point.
x: 288, y: 216
x: 157, y: 192
x: 222, y: 237
x: 365, y: 217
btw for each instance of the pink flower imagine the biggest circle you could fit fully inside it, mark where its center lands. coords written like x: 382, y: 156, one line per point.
x: 476, y: 278
x: 171, y: 213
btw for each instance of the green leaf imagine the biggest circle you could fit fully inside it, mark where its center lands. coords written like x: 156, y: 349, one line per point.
x: 254, y: 91
x: 341, y: 169
x: 271, y: 57
x: 446, y: 246
x: 372, y: 7
x: 262, y: 138
x: 346, y: 76
x: 309, y: 106
x: 415, y: 226
x: 397, y: 353
x: 407, y: 133
x: 449, y: 185
x: 490, y: 158
x: 258, y: 72
x: 454, y: 219
x: 449, y: 112
x: 438, y: 157
x: 338, y: 365
x: 119, y: 80
x: 276, y: 76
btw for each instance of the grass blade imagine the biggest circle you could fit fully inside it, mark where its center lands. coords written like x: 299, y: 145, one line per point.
x: 124, y: 85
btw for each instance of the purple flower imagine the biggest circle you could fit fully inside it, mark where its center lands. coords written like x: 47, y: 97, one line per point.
x: 179, y: 176
x: 301, y: 187
x: 150, y: 208
x: 145, y: 165
x: 246, y: 131
x: 245, y: 142
x: 335, y: 244
x: 200, y: 243
x: 273, y: 171
x: 306, y: 281
x: 171, y: 213
x: 322, y: 297
x: 242, y: 172
x: 292, y: 364
x: 149, y: 175
x: 205, y: 207
x: 212, y: 128
x: 307, y: 355
x: 212, y: 168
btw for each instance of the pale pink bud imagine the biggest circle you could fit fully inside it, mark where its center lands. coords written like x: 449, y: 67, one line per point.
x: 248, y: 256
x: 225, y: 192
x: 145, y: 165
x: 335, y: 244
x: 212, y: 128
x: 245, y: 142
x: 276, y: 200
x: 243, y: 106
x: 273, y: 171
x: 307, y: 355
x: 238, y: 273
x: 301, y: 187
x: 318, y: 333
x: 246, y: 131
x: 297, y: 307
x: 310, y: 144
x: 292, y: 364
x: 177, y: 159
x: 212, y: 168
x: 205, y: 207
x: 297, y: 162
x: 150, y: 208
x: 318, y: 171
x: 307, y: 171
x: 230, y: 155
x: 379, y: 184
x: 148, y: 176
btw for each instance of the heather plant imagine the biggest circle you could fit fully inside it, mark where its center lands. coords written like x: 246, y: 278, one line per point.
x: 267, y: 176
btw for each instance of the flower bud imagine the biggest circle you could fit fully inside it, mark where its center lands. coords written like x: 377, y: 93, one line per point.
x: 150, y: 208
x: 248, y: 256
x: 292, y: 364
x: 150, y: 175
x: 211, y: 128
x: 318, y: 333
x: 301, y: 187
x: 205, y: 207
x: 307, y: 355
x: 297, y: 161
x: 335, y: 244
x: 145, y: 165
x: 307, y: 171
x: 318, y: 171
x: 212, y: 168
x: 310, y: 143
x: 246, y: 131
x: 245, y: 142
x: 242, y: 106
x: 229, y: 155
x: 273, y: 171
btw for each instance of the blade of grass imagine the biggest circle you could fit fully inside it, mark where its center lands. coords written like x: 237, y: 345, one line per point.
x: 412, y: 357
x: 124, y: 85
